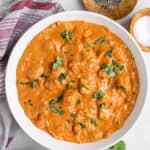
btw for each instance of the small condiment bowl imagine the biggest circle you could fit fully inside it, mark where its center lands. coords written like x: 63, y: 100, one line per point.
x: 116, y: 12
x: 141, y: 13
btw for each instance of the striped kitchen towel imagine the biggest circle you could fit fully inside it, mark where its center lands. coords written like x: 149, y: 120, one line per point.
x: 15, y: 17
x: 20, y: 16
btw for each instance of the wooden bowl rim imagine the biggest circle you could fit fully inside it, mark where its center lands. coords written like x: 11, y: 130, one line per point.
x: 138, y: 15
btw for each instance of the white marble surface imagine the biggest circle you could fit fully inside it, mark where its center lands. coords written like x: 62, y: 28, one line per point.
x: 138, y: 138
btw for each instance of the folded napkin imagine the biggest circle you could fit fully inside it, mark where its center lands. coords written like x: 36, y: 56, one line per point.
x: 15, y: 17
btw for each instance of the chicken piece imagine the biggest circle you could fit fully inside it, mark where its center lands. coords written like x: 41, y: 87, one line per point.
x: 35, y: 71
x: 56, y: 44
x: 105, y: 113
x: 70, y: 98
x: 104, y: 83
x: 54, y: 87
x: 124, y: 81
x: 88, y: 85
x: 87, y: 33
x: 88, y: 54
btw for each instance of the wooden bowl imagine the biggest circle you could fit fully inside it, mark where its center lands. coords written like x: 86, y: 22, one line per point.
x: 141, y: 13
x: 123, y: 9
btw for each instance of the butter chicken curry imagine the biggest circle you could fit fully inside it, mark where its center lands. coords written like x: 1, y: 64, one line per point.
x: 77, y: 81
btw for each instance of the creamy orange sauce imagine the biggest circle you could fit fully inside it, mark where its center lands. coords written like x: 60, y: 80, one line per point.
x: 77, y: 81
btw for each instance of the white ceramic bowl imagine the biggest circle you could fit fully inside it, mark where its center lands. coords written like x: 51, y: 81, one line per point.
x: 40, y: 136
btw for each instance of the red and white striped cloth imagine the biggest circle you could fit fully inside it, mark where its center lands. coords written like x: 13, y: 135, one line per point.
x: 19, y: 15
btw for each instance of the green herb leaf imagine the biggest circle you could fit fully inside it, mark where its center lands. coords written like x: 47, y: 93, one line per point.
x: 34, y: 83
x: 54, y: 109
x: 84, y: 86
x: 120, y: 67
x: 55, y: 66
x: 78, y: 101
x: 114, y: 63
x: 119, y: 146
x: 106, y: 67
x: 52, y: 106
x: 30, y: 102
x: 98, y: 95
x: 66, y: 35
x: 24, y: 83
x: 122, y: 88
x: 43, y: 75
x: 112, y: 73
x: 58, y: 62
x: 68, y: 121
x: 71, y: 85
x: 109, y: 70
x: 93, y: 121
x: 73, y: 115
x: 62, y: 77
x: 82, y: 125
x: 61, y: 112
x: 68, y: 51
x: 89, y: 44
x: 109, y: 53
x: 100, y: 40
x: 102, y: 105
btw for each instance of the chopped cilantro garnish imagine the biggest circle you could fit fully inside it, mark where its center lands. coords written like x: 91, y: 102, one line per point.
x: 62, y: 77
x: 61, y: 112
x: 100, y: 40
x: 66, y: 35
x: 122, y: 88
x: 98, y: 95
x: 43, y: 75
x: 109, y: 53
x: 82, y: 125
x: 54, y: 109
x: 78, y: 101
x: 73, y: 115
x: 93, y: 121
x: 34, y: 83
x: 52, y: 106
x: 71, y: 85
x: 68, y: 121
x: 24, y: 83
x: 109, y: 70
x: 112, y: 69
x: 120, y: 67
x: 58, y: 62
x: 84, y: 86
x: 89, y: 44
x: 68, y: 51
